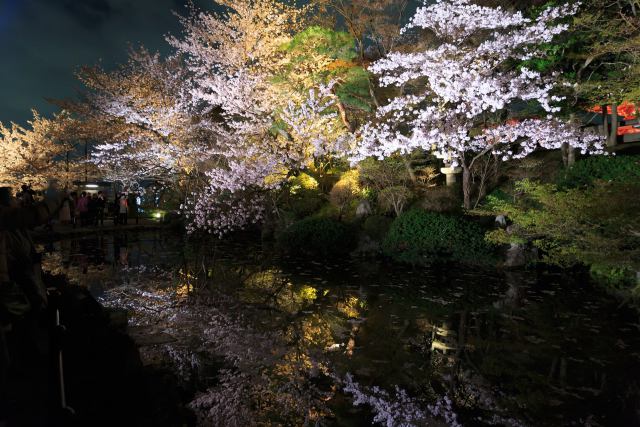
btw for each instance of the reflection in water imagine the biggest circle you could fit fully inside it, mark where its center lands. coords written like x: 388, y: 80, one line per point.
x: 305, y: 341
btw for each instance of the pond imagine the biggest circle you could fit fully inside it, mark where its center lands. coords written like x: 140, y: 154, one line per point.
x: 261, y: 339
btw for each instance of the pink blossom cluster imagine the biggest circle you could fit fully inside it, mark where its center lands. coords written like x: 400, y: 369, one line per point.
x: 461, y: 87
x: 399, y: 409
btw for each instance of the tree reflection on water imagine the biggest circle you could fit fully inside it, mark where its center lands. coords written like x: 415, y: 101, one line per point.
x: 266, y: 341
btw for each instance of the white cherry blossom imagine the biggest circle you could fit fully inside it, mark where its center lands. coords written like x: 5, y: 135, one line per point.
x: 464, y: 89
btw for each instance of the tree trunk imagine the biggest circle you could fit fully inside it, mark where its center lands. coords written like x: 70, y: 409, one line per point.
x: 343, y: 114
x: 466, y: 186
x: 482, y: 190
x: 613, y: 135
x: 571, y: 159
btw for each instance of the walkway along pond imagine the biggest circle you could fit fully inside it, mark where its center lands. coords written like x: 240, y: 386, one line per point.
x: 257, y: 339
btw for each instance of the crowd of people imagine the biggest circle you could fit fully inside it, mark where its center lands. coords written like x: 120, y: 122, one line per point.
x: 87, y: 208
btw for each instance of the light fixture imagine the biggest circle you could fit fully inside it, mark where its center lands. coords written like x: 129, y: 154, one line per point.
x: 91, y: 185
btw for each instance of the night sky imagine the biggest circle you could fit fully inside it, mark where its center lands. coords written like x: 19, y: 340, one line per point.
x: 43, y: 42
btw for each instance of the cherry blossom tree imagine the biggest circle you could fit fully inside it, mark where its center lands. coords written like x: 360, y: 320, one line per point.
x: 138, y: 118
x: 458, y: 98
x: 36, y: 153
x: 243, y: 132
x: 217, y: 114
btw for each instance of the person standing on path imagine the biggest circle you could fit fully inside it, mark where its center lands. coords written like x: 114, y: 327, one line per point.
x: 123, y: 209
x: 82, y: 208
x: 101, y: 205
x: 65, y: 211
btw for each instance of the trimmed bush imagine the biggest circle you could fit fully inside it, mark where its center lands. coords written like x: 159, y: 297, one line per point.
x: 607, y: 168
x: 320, y: 236
x: 421, y: 237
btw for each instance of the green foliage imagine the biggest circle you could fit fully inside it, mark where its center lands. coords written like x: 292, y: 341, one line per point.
x: 552, y: 55
x: 607, y: 168
x: 337, y: 49
x: 346, y: 190
x: 318, y: 236
x: 328, y: 211
x: 333, y: 44
x: 302, y: 182
x: 597, y: 226
x: 600, y: 52
x: 499, y: 195
x: 421, y: 237
x: 387, y: 180
x: 354, y: 89
x: 613, y: 277
x: 376, y: 227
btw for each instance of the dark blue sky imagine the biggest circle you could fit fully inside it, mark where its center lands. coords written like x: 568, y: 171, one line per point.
x: 43, y: 42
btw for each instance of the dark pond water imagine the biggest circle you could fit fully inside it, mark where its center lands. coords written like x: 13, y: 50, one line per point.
x: 265, y: 340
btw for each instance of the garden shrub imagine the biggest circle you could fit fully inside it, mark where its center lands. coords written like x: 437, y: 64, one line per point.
x: 320, y: 236
x: 606, y: 168
x: 394, y: 199
x: 380, y: 174
x: 421, y: 237
x: 345, y: 191
x: 376, y: 227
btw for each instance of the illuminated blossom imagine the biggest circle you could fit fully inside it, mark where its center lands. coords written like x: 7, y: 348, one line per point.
x: 461, y: 87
